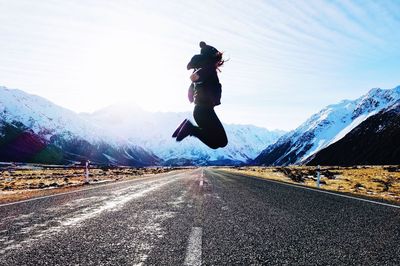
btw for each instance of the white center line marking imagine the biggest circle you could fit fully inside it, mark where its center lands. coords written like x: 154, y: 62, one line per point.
x: 193, y: 251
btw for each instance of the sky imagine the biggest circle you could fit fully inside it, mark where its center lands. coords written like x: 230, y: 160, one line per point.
x: 287, y: 59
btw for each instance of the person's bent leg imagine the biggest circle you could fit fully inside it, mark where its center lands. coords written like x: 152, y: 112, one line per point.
x: 218, y: 133
x: 210, y: 130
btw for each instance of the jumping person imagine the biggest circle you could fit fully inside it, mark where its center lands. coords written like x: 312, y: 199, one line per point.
x: 205, y: 92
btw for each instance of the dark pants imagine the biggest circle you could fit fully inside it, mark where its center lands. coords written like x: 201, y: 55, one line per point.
x: 210, y: 130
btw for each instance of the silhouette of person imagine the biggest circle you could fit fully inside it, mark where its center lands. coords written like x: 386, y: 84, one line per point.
x: 205, y: 92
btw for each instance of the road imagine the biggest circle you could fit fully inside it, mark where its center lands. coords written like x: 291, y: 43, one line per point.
x: 199, y: 217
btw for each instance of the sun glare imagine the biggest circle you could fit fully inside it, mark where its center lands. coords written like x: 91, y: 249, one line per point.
x: 127, y: 70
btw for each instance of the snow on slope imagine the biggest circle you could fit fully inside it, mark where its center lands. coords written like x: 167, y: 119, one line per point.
x: 153, y: 131
x: 340, y: 119
x: 45, y: 118
x: 375, y: 141
x: 350, y: 127
x: 33, y: 129
x: 123, y: 127
x: 326, y: 127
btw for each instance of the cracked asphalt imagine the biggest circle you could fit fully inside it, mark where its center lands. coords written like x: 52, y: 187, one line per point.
x: 198, y: 216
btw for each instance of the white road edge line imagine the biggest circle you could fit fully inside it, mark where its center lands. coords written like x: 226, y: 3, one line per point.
x: 76, y: 191
x: 327, y: 192
x: 193, y: 251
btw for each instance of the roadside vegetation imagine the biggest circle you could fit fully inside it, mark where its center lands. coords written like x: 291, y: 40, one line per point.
x: 382, y: 182
x: 19, y: 183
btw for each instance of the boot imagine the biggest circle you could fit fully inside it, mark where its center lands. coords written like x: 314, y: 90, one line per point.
x: 178, y: 128
x: 185, y: 131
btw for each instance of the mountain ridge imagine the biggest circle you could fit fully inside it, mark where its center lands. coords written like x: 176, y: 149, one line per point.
x: 153, y: 130
x: 375, y: 141
x: 326, y: 127
x: 35, y: 126
x: 127, y: 136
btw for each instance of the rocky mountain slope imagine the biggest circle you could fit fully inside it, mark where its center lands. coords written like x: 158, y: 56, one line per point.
x: 326, y: 127
x: 153, y: 131
x: 376, y: 141
x: 33, y: 129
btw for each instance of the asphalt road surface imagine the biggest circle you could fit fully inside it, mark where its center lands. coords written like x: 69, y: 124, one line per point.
x: 199, y: 217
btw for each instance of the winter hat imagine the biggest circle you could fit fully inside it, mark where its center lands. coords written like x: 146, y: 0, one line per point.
x: 207, y: 50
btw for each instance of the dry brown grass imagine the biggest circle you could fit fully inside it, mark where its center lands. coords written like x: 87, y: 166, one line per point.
x: 381, y: 182
x: 19, y: 184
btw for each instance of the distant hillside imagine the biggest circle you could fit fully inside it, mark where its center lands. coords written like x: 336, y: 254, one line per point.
x: 33, y: 129
x: 153, y: 131
x: 326, y: 127
x: 374, y: 141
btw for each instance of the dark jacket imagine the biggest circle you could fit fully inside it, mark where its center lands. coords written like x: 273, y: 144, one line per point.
x: 206, y: 91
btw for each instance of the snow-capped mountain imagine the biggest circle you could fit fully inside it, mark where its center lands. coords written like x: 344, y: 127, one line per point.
x: 326, y: 127
x: 153, y: 131
x: 44, y: 117
x: 34, y: 129
x: 375, y: 141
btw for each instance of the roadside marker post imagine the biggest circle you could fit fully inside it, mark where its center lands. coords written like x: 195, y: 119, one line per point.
x: 87, y: 172
x: 318, y: 176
